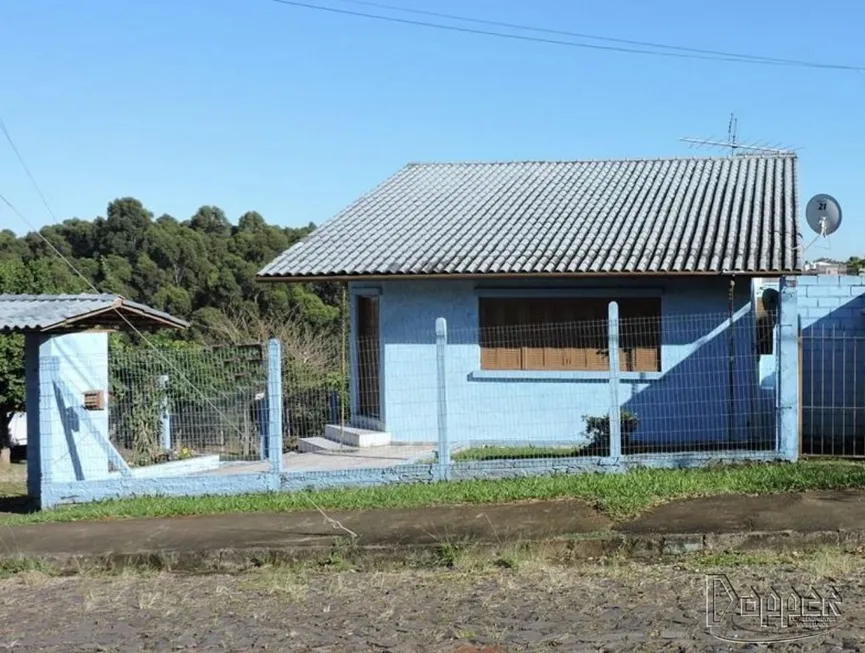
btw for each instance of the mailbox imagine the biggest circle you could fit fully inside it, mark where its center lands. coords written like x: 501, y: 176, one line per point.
x: 94, y: 400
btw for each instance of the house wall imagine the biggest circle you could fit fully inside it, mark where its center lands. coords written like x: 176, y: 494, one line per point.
x: 833, y: 359
x: 66, y: 442
x: 690, y: 399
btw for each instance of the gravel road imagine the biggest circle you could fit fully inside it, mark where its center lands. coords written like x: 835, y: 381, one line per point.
x: 535, y: 606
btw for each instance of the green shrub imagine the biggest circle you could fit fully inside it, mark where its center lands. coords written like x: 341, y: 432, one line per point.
x: 598, y: 430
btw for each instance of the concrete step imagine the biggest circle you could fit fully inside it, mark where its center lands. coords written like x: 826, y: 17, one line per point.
x: 356, y: 437
x: 319, y: 445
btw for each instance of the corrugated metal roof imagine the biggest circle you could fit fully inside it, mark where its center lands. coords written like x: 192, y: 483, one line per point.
x: 19, y: 313
x: 688, y: 215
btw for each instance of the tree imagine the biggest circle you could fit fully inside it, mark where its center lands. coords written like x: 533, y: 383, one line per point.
x: 122, y: 232
x: 16, y: 276
x: 201, y: 269
x: 179, y: 266
x: 211, y: 221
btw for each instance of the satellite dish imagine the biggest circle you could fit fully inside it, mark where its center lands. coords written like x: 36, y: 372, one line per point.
x: 823, y: 214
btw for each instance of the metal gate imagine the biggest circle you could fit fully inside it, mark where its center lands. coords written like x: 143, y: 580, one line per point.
x: 832, y: 369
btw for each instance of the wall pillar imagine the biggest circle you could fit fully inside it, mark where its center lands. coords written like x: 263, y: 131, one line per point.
x: 67, y: 442
x: 788, y: 399
x: 36, y: 444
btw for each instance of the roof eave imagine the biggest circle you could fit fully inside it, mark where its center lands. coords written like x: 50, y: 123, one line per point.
x: 334, y: 278
x: 121, y: 308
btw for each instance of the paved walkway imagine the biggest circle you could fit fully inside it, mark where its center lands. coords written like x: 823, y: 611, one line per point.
x: 809, y: 512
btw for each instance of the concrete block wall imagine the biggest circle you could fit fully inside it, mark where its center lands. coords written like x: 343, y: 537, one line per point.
x: 829, y: 302
x: 833, y: 362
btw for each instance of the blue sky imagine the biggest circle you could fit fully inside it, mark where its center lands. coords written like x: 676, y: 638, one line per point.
x: 253, y: 105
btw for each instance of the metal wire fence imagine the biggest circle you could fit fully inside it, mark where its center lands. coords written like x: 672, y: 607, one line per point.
x: 316, y: 390
x: 540, y: 384
x: 833, y: 392
x: 184, y: 403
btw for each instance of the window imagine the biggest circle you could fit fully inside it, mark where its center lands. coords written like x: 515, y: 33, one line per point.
x: 568, y: 334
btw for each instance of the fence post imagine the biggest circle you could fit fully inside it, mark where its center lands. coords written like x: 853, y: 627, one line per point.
x: 165, y: 413
x: 444, y: 450
x: 615, y: 411
x: 787, y: 377
x: 274, y: 404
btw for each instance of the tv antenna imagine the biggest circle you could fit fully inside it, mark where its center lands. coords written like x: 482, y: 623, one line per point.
x: 732, y: 143
x: 823, y: 215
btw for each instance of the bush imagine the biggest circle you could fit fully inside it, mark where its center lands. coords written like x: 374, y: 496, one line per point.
x: 598, y: 431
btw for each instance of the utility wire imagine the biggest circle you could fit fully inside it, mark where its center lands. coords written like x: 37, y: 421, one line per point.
x: 593, y: 37
x: 29, y: 174
x: 335, y: 523
x: 87, y: 281
x: 681, y: 53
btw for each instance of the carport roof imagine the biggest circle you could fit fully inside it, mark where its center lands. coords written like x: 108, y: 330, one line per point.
x: 54, y: 313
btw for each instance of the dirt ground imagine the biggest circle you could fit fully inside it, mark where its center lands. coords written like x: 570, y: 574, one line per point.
x: 534, y: 606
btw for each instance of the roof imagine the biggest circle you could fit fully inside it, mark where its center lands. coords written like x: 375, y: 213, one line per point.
x: 658, y: 216
x: 40, y: 313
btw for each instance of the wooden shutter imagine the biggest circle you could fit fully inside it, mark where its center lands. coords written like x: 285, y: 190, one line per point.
x: 500, y: 332
x: 534, y: 326
x: 568, y: 334
x: 593, y: 333
x: 640, y: 334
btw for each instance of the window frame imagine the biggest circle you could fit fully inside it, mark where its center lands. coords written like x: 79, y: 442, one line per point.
x: 592, y: 371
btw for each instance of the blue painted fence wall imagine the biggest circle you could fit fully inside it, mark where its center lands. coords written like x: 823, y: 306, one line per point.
x: 833, y: 356
x: 689, y: 400
x: 69, y: 449
x: 59, y: 369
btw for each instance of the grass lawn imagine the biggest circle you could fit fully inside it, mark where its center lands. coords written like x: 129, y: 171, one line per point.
x: 515, y: 453
x: 619, y: 495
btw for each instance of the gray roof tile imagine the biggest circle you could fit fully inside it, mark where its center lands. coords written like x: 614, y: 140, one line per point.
x: 686, y: 215
x: 21, y: 313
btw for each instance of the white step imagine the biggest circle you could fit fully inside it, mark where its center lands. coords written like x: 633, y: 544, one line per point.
x: 356, y: 437
x: 319, y: 445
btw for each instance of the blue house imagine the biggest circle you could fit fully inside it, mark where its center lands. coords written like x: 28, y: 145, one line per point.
x: 523, y: 260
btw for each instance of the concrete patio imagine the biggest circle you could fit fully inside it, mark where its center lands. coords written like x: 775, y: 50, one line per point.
x: 337, y: 460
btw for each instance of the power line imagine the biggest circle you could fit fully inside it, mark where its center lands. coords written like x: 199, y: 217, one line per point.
x: 27, y: 170
x: 87, y: 281
x: 596, y: 37
x: 687, y: 53
x: 333, y: 522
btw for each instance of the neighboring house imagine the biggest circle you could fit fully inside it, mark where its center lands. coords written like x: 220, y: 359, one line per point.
x: 826, y: 266
x: 522, y: 260
x: 18, y: 430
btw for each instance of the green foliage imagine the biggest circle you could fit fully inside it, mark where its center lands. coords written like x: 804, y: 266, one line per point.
x: 307, y: 406
x: 209, y: 391
x: 620, y: 496
x: 202, y: 266
x: 16, y: 276
x: 11, y: 381
x: 598, y: 429
x: 504, y: 452
x: 202, y: 270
